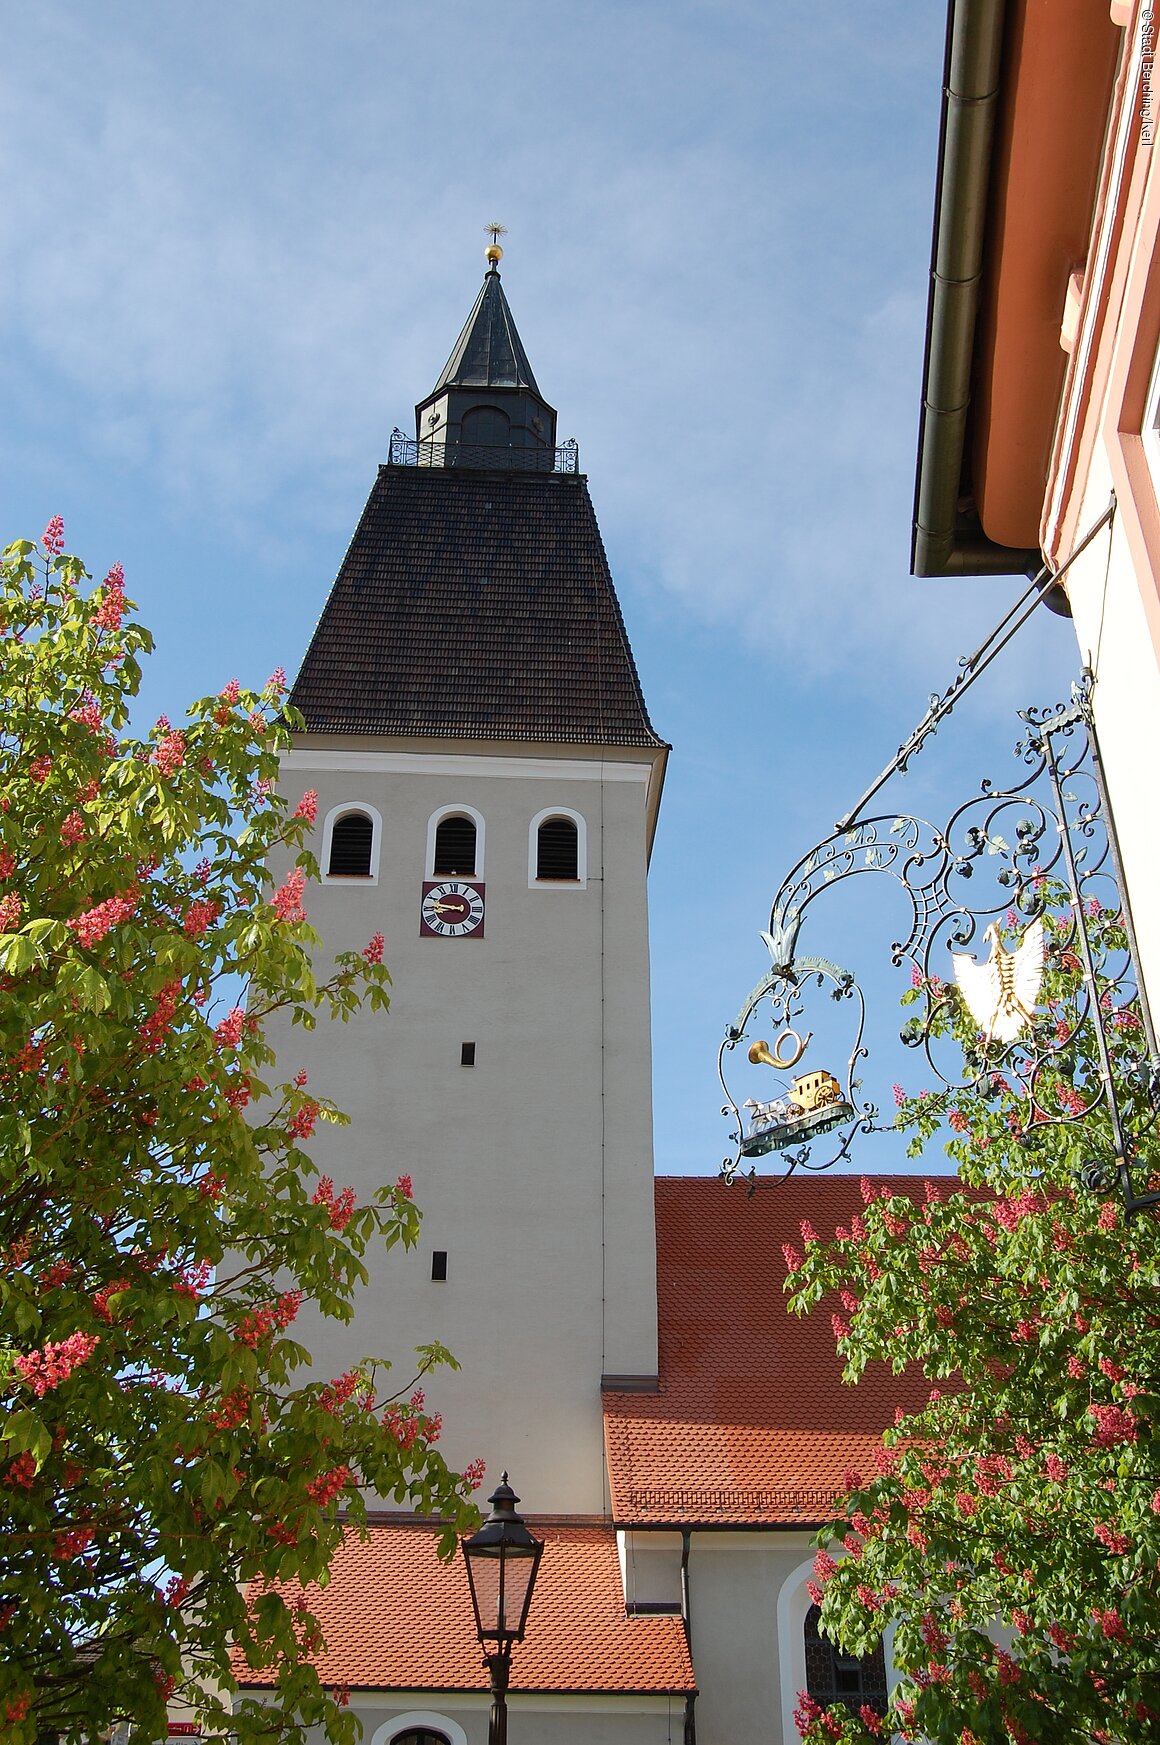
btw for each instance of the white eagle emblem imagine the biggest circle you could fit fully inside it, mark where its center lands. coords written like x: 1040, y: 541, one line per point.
x: 1001, y: 994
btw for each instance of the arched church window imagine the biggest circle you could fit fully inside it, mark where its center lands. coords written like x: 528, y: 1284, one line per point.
x: 454, y: 847
x: 835, y: 1677
x: 351, y: 842
x: 557, y: 849
x: 419, y: 1727
x: 486, y: 426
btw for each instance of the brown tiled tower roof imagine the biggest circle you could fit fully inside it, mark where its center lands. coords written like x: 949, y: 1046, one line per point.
x: 475, y: 605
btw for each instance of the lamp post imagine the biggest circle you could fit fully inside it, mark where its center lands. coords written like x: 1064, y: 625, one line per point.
x: 502, y: 1559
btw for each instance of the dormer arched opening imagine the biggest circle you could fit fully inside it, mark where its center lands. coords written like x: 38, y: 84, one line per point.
x: 809, y: 1662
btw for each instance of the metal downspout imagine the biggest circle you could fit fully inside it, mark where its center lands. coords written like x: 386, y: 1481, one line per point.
x: 970, y: 103
x: 686, y: 1618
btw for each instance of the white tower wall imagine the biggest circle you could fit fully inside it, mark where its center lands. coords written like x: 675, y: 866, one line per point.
x: 533, y: 1169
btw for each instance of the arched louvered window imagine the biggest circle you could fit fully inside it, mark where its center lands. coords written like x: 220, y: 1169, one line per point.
x: 351, y: 841
x: 454, y: 847
x: 420, y: 1736
x: 834, y: 1677
x: 557, y: 849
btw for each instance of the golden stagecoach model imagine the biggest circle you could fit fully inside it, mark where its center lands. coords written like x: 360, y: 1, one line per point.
x: 814, y: 1104
x: 815, y: 1090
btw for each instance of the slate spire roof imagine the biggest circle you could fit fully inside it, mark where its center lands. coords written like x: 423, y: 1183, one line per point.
x: 475, y: 600
x: 489, y: 352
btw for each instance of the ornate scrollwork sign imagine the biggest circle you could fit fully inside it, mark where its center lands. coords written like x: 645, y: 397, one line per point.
x: 1019, y: 881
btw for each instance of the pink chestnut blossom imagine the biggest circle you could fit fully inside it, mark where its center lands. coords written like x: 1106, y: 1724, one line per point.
x: 47, y: 1368
x: 287, y: 899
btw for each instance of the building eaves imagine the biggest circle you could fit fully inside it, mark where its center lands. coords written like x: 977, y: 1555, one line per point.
x: 1013, y: 213
x: 947, y: 538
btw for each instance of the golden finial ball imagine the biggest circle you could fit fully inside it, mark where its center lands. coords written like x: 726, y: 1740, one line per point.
x: 493, y: 253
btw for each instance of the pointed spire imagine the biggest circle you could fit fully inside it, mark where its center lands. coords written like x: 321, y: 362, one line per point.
x: 487, y: 398
x: 489, y: 352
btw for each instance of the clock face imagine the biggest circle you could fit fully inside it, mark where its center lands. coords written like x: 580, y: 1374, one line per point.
x: 452, y: 909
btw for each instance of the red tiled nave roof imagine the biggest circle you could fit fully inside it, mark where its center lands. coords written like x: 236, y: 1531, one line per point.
x: 752, y: 1423
x: 395, y: 1618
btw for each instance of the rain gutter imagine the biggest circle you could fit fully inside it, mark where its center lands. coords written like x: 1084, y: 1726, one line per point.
x: 942, y: 543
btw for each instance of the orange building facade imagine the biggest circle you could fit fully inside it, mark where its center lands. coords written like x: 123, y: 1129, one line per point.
x: 1041, y: 408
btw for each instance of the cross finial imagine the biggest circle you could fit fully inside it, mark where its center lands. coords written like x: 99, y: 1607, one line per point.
x: 493, y: 253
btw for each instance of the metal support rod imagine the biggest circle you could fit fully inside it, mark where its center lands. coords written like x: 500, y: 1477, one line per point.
x: 499, y: 1666
x: 973, y: 665
x: 1089, y: 975
x: 1109, y: 819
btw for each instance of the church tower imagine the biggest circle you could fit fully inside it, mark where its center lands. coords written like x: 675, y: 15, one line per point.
x: 488, y: 783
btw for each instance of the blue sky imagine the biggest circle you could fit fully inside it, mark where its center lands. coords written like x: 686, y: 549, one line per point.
x: 240, y: 240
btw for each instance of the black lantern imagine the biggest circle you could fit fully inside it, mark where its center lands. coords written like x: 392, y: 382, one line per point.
x: 502, y: 1559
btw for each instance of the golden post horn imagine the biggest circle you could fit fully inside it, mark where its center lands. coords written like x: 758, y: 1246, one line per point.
x: 760, y: 1054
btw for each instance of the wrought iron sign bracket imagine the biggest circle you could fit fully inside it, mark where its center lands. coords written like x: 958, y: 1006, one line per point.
x: 973, y: 666
x: 1057, y: 1013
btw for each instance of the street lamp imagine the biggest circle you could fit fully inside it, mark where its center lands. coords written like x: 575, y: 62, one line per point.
x: 502, y: 1559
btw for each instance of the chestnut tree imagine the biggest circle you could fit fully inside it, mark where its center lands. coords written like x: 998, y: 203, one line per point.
x: 1008, y: 1533
x: 164, y: 1447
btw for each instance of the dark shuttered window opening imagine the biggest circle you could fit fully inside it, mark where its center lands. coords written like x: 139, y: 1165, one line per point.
x: 350, y: 846
x: 455, y: 847
x: 834, y: 1677
x: 557, y: 850
x: 420, y: 1736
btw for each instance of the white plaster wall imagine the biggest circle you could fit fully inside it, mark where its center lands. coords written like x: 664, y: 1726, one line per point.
x: 532, y: 1720
x: 736, y: 1580
x: 747, y: 1607
x: 650, y: 1567
x: 1115, y: 643
x: 534, y: 1168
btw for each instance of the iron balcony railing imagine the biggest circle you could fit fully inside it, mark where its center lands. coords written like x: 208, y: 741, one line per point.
x: 408, y: 451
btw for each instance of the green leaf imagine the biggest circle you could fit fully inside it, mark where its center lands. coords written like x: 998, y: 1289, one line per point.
x: 92, y: 990
x: 17, y: 953
x: 23, y: 1432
